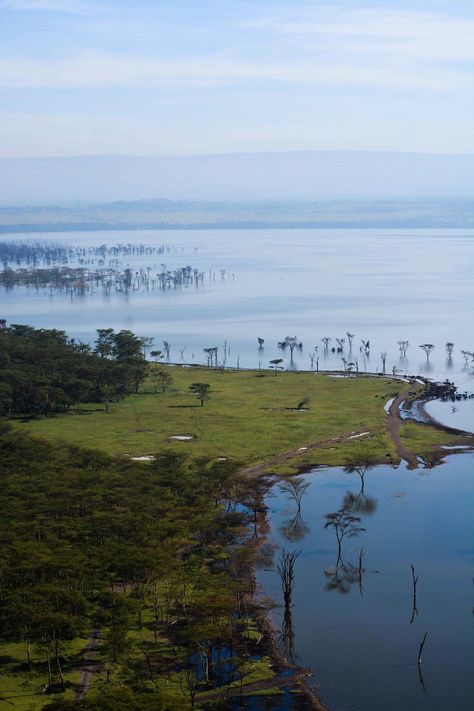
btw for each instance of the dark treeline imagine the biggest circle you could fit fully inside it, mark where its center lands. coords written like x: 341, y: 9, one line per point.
x: 153, y: 558
x: 44, y: 371
x: 81, y: 280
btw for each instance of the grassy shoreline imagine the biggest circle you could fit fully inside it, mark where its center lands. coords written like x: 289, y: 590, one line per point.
x: 250, y: 417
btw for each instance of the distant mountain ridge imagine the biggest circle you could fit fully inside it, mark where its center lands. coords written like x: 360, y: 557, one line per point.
x: 181, y: 214
x: 301, y: 175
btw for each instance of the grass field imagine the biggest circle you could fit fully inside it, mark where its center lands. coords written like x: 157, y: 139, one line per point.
x: 250, y: 417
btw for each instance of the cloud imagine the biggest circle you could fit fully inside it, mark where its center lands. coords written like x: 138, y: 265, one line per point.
x: 95, y: 70
x: 411, y: 34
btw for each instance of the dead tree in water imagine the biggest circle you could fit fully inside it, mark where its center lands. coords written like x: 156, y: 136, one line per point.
x: 326, y: 341
x: 383, y: 356
x: 403, y: 347
x: 427, y: 347
x: 414, y: 611
x: 350, y: 338
x: 286, y: 571
x: 449, y: 348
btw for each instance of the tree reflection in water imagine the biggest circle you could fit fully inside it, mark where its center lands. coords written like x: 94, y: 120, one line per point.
x: 294, y: 528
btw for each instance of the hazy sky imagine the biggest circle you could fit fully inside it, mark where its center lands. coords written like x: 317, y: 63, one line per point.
x: 204, y: 76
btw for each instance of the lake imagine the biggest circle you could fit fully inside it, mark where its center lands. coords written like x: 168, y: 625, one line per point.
x: 381, y: 285
x: 360, y: 640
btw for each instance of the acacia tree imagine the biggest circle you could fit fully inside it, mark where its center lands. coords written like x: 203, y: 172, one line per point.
x: 344, y: 525
x: 326, y: 340
x: 157, y: 355
x: 350, y: 338
x: 163, y: 379
x: 427, y: 348
x: 295, y: 487
x: 202, y: 391
x: 276, y: 364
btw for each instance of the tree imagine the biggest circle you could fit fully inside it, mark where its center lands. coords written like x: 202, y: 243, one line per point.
x: 427, y: 347
x: 295, y: 487
x: 202, y: 391
x: 449, y: 348
x: 157, y: 355
x: 383, y: 357
x: 163, y: 379
x: 403, y: 347
x: 350, y: 338
x: 326, y: 340
x: 344, y: 525
x: 276, y: 364
x: 286, y: 571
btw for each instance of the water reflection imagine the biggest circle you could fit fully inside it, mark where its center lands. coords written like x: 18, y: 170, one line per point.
x: 368, y: 634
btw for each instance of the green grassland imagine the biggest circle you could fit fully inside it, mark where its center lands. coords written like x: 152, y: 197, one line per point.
x: 250, y: 417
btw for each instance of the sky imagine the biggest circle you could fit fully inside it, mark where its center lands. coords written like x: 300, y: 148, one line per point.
x: 216, y: 76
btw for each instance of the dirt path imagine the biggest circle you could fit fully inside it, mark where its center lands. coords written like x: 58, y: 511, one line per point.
x: 261, y: 467
x: 394, y: 423
x: 90, y: 666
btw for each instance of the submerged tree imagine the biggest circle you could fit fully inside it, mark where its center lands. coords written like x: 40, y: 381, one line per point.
x: 403, y: 347
x: 286, y: 571
x: 326, y: 340
x: 295, y: 487
x: 344, y: 525
x: 350, y: 338
x: 383, y: 357
x: 449, y: 348
x: 427, y: 348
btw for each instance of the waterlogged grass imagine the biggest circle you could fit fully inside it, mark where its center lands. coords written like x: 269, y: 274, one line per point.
x: 250, y: 416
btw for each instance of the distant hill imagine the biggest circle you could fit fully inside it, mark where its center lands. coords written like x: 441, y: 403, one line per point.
x: 182, y: 214
x: 305, y: 175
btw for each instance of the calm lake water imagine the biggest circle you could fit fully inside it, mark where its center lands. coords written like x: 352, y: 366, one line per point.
x: 361, y: 641
x: 381, y: 285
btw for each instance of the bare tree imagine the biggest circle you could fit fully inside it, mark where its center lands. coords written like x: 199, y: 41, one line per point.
x: 340, y: 344
x: 167, y: 346
x: 286, y: 571
x: 449, y: 348
x: 403, y: 347
x: 366, y: 345
x: 326, y: 340
x: 350, y: 338
x: 414, y: 579
x: 383, y: 357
